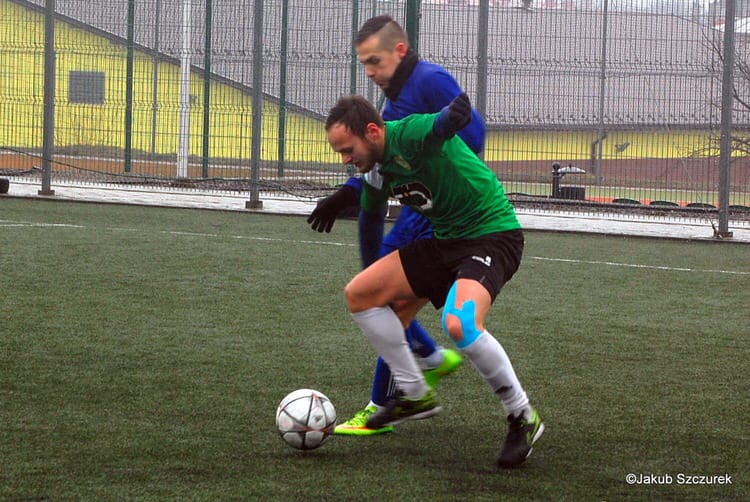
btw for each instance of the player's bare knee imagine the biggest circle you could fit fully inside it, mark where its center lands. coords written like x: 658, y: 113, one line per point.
x: 355, y: 300
x: 460, y: 322
x: 359, y: 296
x: 453, y: 328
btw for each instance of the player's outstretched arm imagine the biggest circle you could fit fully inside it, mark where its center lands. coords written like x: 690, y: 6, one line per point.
x: 324, y: 215
x: 453, y: 117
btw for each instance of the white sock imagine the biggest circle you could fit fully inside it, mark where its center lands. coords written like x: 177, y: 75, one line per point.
x: 382, y: 327
x: 490, y: 360
x: 432, y: 361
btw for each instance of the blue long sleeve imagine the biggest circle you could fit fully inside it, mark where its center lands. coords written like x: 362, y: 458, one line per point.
x: 356, y: 183
x: 371, y: 228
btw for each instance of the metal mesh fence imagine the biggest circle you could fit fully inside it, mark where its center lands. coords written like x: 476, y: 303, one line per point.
x: 600, y: 104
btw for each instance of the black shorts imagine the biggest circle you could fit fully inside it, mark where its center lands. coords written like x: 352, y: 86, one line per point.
x: 432, y: 265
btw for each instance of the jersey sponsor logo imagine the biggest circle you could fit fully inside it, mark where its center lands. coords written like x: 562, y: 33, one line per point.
x: 413, y: 194
x: 487, y: 260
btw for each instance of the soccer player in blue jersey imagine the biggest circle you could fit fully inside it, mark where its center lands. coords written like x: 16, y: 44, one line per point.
x: 411, y: 85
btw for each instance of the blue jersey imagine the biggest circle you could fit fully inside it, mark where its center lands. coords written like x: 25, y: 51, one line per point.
x: 428, y: 89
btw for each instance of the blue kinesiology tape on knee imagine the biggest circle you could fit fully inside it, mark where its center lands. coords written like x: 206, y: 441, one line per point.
x: 466, y: 315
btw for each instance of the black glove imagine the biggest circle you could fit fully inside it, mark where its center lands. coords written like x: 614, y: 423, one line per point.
x: 453, y: 117
x: 328, y: 208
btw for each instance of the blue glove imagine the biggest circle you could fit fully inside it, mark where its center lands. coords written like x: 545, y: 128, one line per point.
x: 453, y: 117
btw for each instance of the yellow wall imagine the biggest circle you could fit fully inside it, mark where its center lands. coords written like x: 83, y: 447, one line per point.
x: 576, y: 145
x: 21, y: 109
x: 21, y: 91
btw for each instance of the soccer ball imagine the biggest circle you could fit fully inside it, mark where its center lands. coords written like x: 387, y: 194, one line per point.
x: 305, y: 419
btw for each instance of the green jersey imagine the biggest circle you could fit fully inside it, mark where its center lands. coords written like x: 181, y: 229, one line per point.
x: 444, y: 180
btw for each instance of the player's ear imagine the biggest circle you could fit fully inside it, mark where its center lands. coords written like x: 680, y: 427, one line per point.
x: 401, y: 49
x: 373, y: 131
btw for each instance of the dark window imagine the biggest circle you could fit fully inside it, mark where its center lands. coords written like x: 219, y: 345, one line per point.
x: 86, y: 87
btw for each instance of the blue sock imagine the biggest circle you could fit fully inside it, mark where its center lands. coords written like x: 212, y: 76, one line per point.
x: 420, y: 341
x: 382, y: 383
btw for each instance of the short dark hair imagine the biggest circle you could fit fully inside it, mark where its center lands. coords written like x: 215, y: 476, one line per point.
x: 389, y: 31
x: 355, y: 112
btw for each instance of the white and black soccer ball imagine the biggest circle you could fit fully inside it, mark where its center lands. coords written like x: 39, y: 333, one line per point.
x: 305, y: 419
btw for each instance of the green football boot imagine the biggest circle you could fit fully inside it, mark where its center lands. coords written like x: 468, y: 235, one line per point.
x: 357, y: 425
x: 400, y: 408
x: 451, y: 361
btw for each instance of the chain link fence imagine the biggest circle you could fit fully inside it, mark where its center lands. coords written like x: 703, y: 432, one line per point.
x: 596, y: 105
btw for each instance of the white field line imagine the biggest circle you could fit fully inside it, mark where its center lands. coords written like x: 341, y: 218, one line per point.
x: 5, y: 223
x: 635, y: 265
x: 24, y: 224
x: 265, y: 239
x: 28, y: 224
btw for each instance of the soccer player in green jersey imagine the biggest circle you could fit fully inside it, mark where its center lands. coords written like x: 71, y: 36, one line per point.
x: 476, y: 249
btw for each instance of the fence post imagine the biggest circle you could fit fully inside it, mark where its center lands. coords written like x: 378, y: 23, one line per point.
x: 183, y: 146
x: 207, y: 89
x: 482, y: 60
x: 257, y: 126
x: 155, y: 77
x: 48, y: 128
x: 412, y: 23
x: 282, y: 87
x: 598, y: 145
x: 353, y: 62
x: 727, y: 100
x: 129, y: 89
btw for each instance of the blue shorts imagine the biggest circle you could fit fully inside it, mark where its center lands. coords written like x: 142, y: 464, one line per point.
x: 410, y: 226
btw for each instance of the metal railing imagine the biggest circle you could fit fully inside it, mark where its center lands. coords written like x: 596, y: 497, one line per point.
x: 161, y: 92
